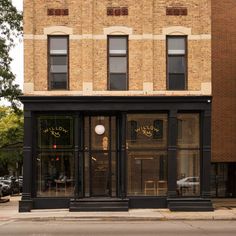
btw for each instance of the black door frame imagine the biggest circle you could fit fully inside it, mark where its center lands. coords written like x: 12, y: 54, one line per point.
x: 90, y: 150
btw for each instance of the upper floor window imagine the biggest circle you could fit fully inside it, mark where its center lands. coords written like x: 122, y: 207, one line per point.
x: 58, y: 62
x: 176, y: 63
x: 118, y: 63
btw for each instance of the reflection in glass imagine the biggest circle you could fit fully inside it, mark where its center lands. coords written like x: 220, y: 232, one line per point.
x: 188, y: 131
x: 188, y: 173
x: 55, y: 174
x: 147, y: 173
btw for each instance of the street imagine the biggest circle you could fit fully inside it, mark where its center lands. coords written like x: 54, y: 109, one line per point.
x: 113, y: 228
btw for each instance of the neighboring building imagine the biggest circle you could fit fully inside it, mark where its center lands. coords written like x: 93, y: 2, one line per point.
x: 224, y: 98
x: 117, y: 104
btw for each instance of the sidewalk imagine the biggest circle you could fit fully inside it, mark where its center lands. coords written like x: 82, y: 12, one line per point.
x: 224, y: 210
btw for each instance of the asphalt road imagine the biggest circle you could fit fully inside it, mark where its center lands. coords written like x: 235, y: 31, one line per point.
x: 112, y: 228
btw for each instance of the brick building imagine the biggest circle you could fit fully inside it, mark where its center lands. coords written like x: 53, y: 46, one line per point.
x: 117, y: 103
x: 224, y: 98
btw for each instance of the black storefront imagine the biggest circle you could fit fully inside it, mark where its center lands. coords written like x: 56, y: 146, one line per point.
x: 115, y: 153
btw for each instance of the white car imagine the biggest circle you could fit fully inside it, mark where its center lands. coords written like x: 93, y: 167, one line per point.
x: 188, y: 182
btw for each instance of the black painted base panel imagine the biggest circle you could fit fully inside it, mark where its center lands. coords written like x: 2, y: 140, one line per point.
x: 190, y: 204
x: 25, y: 205
x: 99, y: 204
x: 174, y: 204
x: 147, y: 202
x: 51, y: 203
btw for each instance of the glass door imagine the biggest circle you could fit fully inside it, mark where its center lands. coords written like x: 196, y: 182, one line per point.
x: 100, y: 174
x: 100, y: 166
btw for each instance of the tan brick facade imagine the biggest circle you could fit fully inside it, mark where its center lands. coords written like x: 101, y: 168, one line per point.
x: 146, y: 25
x: 224, y: 81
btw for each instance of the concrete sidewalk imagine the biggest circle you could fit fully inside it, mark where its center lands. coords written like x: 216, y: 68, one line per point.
x: 224, y: 210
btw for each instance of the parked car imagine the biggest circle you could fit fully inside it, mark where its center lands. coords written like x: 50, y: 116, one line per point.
x: 5, y: 189
x: 188, y: 182
x: 19, y: 182
x: 12, y: 184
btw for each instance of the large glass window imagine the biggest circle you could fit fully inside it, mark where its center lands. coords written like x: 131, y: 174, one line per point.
x: 58, y: 62
x: 188, y: 155
x: 117, y: 64
x: 147, y: 154
x: 176, y: 63
x: 55, y: 156
x: 147, y: 173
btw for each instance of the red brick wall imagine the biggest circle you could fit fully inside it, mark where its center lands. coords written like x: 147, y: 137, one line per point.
x: 224, y: 80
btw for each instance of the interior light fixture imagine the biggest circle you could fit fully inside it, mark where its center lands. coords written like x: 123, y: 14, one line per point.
x: 99, y: 129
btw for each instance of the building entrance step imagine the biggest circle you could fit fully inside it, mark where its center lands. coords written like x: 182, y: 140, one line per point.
x: 99, y: 204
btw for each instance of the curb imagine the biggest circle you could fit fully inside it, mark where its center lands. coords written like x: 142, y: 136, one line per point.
x: 120, y: 219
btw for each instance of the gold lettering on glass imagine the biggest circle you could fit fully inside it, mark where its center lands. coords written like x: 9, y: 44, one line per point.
x: 147, y: 130
x: 55, y: 131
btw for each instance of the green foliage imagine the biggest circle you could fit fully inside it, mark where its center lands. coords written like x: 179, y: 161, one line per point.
x: 11, y: 140
x: 10, y: 28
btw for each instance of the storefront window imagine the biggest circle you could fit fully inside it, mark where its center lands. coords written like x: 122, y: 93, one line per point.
x: 147, y: 173
x: 55, y: 158
x: 147, y: 154
x: 188, y: 131
x: 146, y: 131
x: 188, y: 155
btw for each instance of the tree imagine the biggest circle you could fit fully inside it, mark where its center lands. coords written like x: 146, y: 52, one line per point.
x: 10, y: 28
x: 11, y: 140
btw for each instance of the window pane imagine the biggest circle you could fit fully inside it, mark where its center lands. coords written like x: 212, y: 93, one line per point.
x: 55, y: 174
x: 58, y: 64
x: 117, y: 45
x: 55, y: 132
x: 58, y: 81
x: 188, y: 131
x: 118, y: 82
x: 176, y: 45
x: 188, y: 173
x: 118, y: 64
x: 100, y: 141
x: 176, y: 81
x: 147, y: 173
x: 58, y: 45
x: 176, y: 64
x: 147, y: 131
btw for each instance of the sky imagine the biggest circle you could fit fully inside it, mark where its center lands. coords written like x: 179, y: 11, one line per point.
x: 16, y: 53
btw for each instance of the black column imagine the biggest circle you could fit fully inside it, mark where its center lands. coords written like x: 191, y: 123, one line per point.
x: 206, y: 153
x: 172, y: 153
x: 26, y: 203
x: 123, y: 156
x: 81, y: 156
x: 76, y: 155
